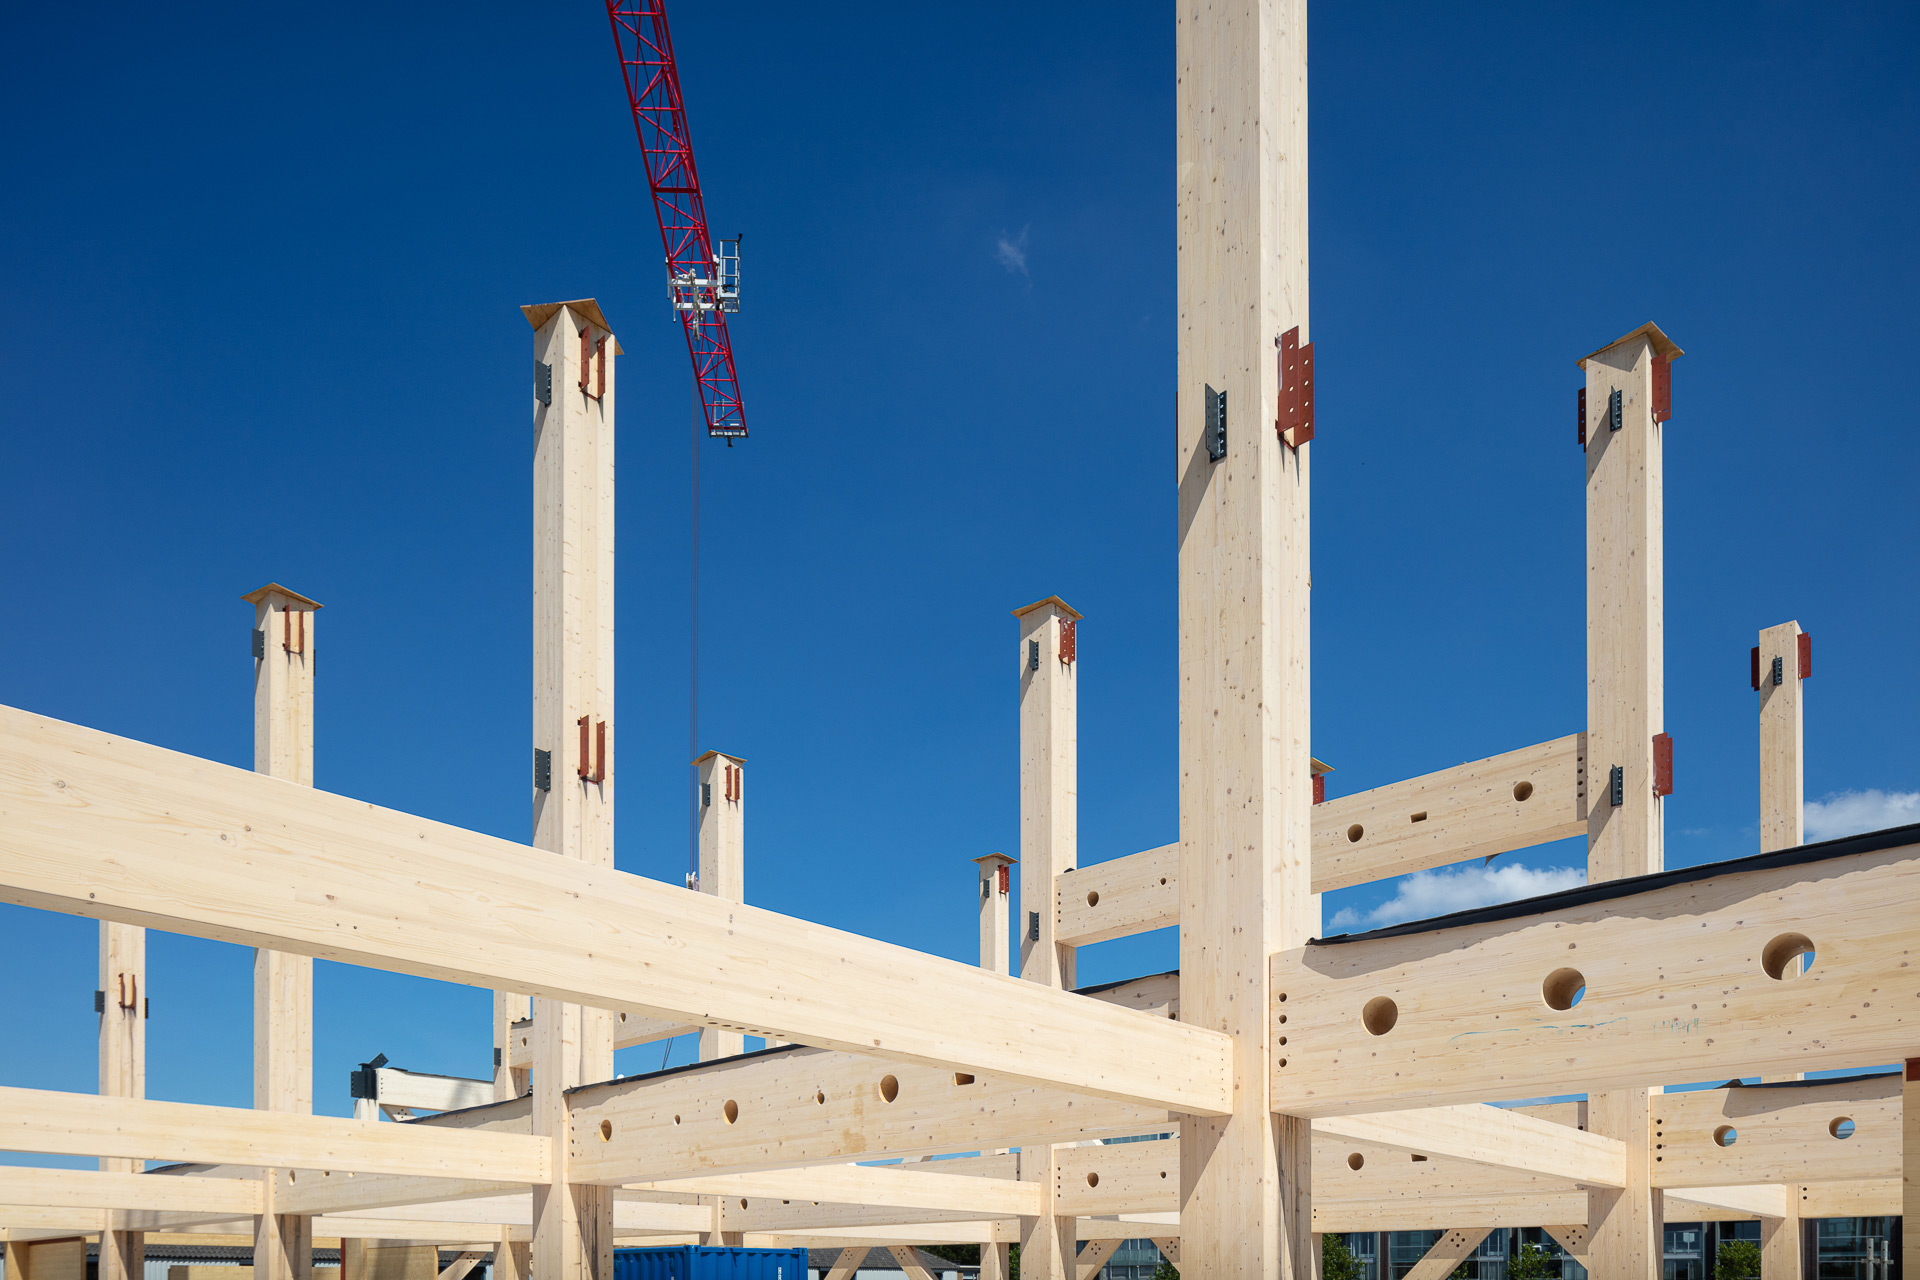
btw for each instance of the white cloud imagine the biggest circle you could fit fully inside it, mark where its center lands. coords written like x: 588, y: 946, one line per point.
x: 1851, y: 812
x: 1435, y: 893
x: 1012, y: 253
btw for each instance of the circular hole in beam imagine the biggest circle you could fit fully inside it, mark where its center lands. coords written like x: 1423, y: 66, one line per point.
x: 889, y: 1088
x: 1523, y: 791
x: 1782, y: 957
x: 1356, y: 1162
x: 1380, y: 1015
x: 606, y: 1131
x: 1726, y: 1135
x: 1093, y: 1179
x: 1563, y: 989
x: 731, y: 1111
x: 1354, y: 833
x: 1093, y: 898
x: 1842, y: 1127
x: 819, y: 1098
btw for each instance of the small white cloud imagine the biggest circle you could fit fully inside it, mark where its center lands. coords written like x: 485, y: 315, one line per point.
x: 1011, y: 253
x: 1435, y: 893
x: 1851, y: 812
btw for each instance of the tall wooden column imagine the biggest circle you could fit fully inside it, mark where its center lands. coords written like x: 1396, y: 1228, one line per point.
x: 573, y: 721
x: 123, y: 1071
x: 996, y: 877
x: 1910, y: 1167
x: 1245, y: 709
x: 283, y: 666
x: 1626, y: 669
x: 723, y: 859
x: 1782, y: 776
x: 1049, y: 834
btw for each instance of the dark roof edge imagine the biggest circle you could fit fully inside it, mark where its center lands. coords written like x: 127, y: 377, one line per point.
x: 1124, y: 982
x: 1586, y: 894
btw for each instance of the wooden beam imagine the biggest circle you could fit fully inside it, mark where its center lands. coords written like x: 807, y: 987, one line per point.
x: 806, y: 1106
x: 1760, y: 1201
x: 1814, y: 1132
x: 1490, y: 1135
x: 1089, y: 1260
x: 211, y: 851
x: 1910, y: 1165
x: 1572, y: 1237
x: 874, y: 1185
x: 908, y: 1259
x: 1510, y: 801
x: 1448, y: 1252
x: 629, y: 1029
x: 88, y: 1189
x: 84, y: 1124
x: 1675, y: 979
x: 848, y: 1262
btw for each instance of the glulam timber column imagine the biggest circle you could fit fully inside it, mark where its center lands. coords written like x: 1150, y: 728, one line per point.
x: 1245, y: 710
x: 123, y: 1072
x: 1783, y: 654
x: 1049, y: 834
x: 1626, y: 405
x: 723, y: 860
x: 283, y: 667
x: 573, y: 722
x: 1910, y: 1167
x: 996, y: 876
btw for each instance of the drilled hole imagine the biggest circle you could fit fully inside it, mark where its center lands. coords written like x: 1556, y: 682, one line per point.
x: 819, y: 1098
x: 1842, y: 1127
x: 1418, y: 1159
x: 1782, y: 957
x: 606, y: 1131
x: 1283, y: 1039
x: 1283, y: 1062
x: 1354, y: 833
x: 743, y: 1204
x: 1163, y: 879
x: 1093, y: 898
x: 961, y: 1077
x: 1726, y: 1135
x: 1522, y: 790
x: 1380, y: 1015
x: 1093, y: 1179
x: 1163, y: 1173
x: 1356, y: 1162
x: 1563, y: 989
x: 889, y: 1088
x: 676, y: 1119
x: 731, y: 1111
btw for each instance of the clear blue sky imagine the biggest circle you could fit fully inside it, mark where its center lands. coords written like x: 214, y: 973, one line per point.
x: 259, y: 306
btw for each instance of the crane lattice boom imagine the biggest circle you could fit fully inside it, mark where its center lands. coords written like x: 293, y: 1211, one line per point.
x: 704, y: 285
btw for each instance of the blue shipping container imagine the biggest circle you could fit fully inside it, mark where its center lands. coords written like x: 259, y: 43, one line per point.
x: 696, y: 1262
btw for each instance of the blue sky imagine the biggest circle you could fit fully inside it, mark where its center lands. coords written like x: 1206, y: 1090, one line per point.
x: 262, y: 272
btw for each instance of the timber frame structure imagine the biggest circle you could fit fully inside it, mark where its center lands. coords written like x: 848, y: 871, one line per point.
x: 1300, y: 1084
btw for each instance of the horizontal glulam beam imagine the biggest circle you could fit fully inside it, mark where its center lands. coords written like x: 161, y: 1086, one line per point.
x: 918, y: 1188
x: 1514, y: 800
x: 1812, y: 1132
x: 629, y: 1030
x: 108, y: 828
x: 1493, y: 1136
x: 1672, y: 983
x: 99, y: 1189
x: 807, y: 1106
x: 85, y: 1124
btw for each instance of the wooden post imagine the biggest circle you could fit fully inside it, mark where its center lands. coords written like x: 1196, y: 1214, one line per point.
x: 995, y: 880
x: 1625, y: 710
x: 573, y: 705
x: 996, y: 1261
x: 1049, y: 830
x: 123, y: 1072
x: 723, y: 840
x: 1782, y: 776
x: 1910, y: 1167
x: 283, y: 667
x: 1245, y: 708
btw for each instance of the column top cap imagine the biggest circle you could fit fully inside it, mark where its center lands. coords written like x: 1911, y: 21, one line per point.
x: 275, y: 589
x: 539, y: 313
x: 1651, y: 332
x: 706, y: 756
x: 1318, y: 766
x: 991, y: 859
x: 1055, y: 601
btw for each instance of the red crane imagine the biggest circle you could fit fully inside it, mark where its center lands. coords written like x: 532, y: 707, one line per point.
x: 705, y: 285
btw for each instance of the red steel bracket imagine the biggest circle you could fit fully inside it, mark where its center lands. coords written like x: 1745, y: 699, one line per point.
x: 1663, y: 764
x: 1583, y: 418
x: 1756, y: 668
x: 1662, y: 388
x: 1068, y: 641
x: 1319, y: 788
x: 1295, y: 424
x: 1006, y: 881
x: 1806, y: 654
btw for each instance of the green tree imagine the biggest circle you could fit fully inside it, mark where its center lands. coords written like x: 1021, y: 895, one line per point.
x: 1166, y: 1271
x: 1336, y: 1260
x: 968, y: 1254
x: 1533, y: 1263
x: 1738, y: 1260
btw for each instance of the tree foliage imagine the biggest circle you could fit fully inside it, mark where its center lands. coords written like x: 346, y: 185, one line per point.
x: 1738, y: 1260
x: 1533, y: 1263
x: 1337, y: 1261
